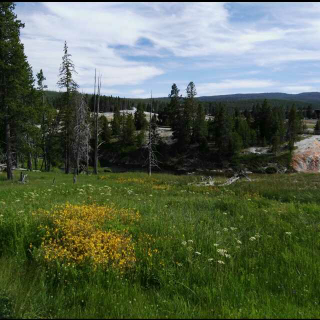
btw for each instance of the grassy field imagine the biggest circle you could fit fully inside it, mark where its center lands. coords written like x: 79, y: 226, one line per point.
x: 132, y: 246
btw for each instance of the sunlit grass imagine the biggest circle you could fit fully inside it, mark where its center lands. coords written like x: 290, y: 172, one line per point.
x: 249, y: 250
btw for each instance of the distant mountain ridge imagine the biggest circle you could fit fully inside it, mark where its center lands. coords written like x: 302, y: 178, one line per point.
x: 312, y: 97
x: 307, y: 97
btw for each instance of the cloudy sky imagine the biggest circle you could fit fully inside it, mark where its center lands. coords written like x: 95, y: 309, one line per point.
x: 224, y: 48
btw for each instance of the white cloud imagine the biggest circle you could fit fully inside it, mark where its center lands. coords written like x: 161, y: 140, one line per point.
x: 234, y: 86
x: 137, y: 91
x: 183, y: 36
x: 90, y: 30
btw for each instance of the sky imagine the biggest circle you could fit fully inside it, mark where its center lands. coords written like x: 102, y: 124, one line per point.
x: 224, y: 48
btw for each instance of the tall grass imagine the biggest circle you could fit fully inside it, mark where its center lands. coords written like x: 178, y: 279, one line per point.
x: 248, y: 250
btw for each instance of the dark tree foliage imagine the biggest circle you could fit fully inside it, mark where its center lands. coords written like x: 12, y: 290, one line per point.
x: 140, y: 120
x: 17, y: 95
x: 106, y: 130
x: 116, y: 122
x: 127, y: 136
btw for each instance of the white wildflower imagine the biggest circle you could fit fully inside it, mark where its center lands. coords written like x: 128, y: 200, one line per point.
x: 225, y: 229
x: 210, y: 260
x: 252, y: 239
x: 239, y: 241
x: 221, y: 262
x: 184, y: 243
x: 198, y: 253
x: 190, y: 241
x: 288, y: 233
x: 222, y: 251
x: 216, y: 244
x: 227, y: 255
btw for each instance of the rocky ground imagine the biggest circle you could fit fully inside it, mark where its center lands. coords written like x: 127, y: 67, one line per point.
x: 306, y: 157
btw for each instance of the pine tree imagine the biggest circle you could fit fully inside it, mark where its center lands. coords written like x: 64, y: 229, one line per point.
x: 106, y: 130
x: 293, y: 125
x: 223, y: 129
x: 276, y: 143
x: 174, y: 108
x: 67, y: 82
x: 309, y: 112
x: 200, y: 130
x: 116, y: 122
x: 46, y: 112
x: 128, y: 130
x: 317, y: 127
x: 191, y: 107
x: 235, y: 143
x: 15, y: 78
x: 140, y: 120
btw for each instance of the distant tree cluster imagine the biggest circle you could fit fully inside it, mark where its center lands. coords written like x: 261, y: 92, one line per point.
x: 230, y: 130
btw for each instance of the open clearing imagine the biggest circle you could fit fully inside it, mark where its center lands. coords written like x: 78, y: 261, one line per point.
x: 248, y: 250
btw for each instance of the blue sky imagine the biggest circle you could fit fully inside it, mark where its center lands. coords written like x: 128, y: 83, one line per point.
x: 224, y: 48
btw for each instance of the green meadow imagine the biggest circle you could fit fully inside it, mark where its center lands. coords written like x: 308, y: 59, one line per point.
x: 248, y: 250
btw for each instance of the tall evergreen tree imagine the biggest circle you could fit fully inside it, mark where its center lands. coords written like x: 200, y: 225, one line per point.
x: 293, y: 125
x: 309, y: 112
x: 140, y: 120
x: 174, y: 108
x: 15, y: 77
x: 200, y: 130
x: 128, y: 130
x: 67, y: 82
x: 223, y: 129
x: 116, y: 122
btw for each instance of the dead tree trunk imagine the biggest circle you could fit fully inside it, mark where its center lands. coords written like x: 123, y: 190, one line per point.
x: 9, y: 151
x: 96, y: 125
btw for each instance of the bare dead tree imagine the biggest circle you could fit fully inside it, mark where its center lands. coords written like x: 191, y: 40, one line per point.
x: 81, y: 134
x: 96, y: 124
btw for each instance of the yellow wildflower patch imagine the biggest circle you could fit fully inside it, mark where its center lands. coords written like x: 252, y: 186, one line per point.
x: 77, y: 236
x: 161, y: 187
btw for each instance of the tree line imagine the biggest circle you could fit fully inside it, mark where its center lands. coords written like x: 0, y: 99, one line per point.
x: 69, y: 129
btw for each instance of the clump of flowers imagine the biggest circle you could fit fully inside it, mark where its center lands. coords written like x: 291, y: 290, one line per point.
x: 89, y: 234
x: 161, y: 187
